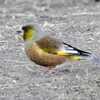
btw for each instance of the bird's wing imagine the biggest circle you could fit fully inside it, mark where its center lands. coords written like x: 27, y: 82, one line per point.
x: 52, y: 46
x: 67, y: 49
x: 49, y: 45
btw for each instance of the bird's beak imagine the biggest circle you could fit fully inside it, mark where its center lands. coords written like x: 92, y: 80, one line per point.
x: 18, y: 32
x: 19, y: 35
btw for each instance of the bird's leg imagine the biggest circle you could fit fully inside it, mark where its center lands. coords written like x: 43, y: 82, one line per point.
x: 53, y: 70
x: 49, y: 69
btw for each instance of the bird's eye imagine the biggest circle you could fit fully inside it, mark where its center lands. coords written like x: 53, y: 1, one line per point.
x: 23, y: 28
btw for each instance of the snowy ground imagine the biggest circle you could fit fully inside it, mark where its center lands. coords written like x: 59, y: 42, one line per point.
x: 78, y: 23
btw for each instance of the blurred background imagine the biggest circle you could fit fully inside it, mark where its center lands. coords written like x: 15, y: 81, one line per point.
x: 75, y: 21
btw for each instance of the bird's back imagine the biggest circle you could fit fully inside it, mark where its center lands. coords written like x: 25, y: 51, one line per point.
x: 49, y: 44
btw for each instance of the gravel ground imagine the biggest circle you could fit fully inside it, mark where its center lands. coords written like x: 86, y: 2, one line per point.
x: 75, y: 21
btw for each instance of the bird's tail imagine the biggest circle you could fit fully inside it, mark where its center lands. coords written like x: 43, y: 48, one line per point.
x: 77, y: 54
x: 94, y: 58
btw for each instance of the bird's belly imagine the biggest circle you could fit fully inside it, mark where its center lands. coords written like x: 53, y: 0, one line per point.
x: 40, y: 57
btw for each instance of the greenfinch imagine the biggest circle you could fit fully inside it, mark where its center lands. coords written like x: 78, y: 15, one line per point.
x: 47, y: 51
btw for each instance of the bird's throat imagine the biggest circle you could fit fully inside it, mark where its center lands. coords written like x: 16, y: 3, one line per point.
x: 30, y: 35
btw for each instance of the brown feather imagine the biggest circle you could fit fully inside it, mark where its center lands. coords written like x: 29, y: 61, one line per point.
x: 49, y: 45
x: 36, y: 54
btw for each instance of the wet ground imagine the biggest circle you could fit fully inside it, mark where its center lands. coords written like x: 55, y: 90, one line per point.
x: 75, y: 21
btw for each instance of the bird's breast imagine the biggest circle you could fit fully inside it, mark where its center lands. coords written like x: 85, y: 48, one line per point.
x: 36, y: 54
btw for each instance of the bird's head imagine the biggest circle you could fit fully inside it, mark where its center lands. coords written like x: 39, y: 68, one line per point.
x: 29, y: 32
x: 32, y: 32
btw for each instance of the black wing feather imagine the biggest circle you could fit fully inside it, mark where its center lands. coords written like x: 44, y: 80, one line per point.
x: 80, y: 52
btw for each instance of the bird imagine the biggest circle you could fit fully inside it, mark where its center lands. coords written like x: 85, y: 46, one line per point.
x: 44, y: 50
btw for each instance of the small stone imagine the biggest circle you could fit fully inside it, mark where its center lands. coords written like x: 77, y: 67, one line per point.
x: 97, y: 0
x: 14, y: 81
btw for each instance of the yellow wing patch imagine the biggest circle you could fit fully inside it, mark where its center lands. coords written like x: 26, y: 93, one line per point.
x: 69, y: 56
x: 75, y: 57
x: 62, y: 53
